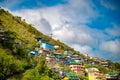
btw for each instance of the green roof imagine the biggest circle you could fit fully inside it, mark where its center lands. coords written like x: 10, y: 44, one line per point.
x: 74, y: 63
x: 72, y: 76
x: 58, y: 56
x: 112, y: 73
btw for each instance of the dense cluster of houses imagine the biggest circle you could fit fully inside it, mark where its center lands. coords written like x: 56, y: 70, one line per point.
x: 74, y: 61
x: 68, y: 58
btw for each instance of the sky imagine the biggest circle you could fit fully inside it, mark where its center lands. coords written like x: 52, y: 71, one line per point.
x: 89, y: 26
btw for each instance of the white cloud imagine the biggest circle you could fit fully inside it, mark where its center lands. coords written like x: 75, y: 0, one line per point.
x: 61, y: 20
x: 35, y: 18
x: 115, y: 31
x: 107, y: 4
x: 68, y: 22
x: 83, y: 49
x: 9, y: 3
x: 111, y: 46
x: 78, y: 34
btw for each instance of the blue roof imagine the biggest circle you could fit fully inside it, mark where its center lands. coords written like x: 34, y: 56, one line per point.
x: 47, y: 46
x: 33, y: 52
x: 69, y: 60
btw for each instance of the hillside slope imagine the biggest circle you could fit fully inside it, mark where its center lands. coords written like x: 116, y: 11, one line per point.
x: 16, y: 38
x: 24, y: 32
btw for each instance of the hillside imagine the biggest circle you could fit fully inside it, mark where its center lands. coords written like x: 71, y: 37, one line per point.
x: 23, y: 31
x: 17, y: 38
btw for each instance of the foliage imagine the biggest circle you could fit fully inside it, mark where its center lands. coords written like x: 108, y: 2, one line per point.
x: 41, y: 72
x: 82, y: 77
x: 115, y: 65
x: 31, y: 74
x: 10, y: 65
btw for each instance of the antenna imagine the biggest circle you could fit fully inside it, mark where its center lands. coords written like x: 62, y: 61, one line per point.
x: 51, y: 35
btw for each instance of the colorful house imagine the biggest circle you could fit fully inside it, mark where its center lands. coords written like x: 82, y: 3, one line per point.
x: 105, y: 63
x: 47, y: 46
x: 94, y: 74
x: 33, y: 52
x: 77, y: 68
x: 68, y: 60
x: 71, y: 76
x: 58, y: 55
x: 112, y: 76
x: 67, y: 52
x: 57, y: 47
x: 50, y: 60
x: 77, y: 58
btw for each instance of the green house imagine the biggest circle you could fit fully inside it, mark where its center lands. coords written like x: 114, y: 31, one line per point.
x: 71, y: 76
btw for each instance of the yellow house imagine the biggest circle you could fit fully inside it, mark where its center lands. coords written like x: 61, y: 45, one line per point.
x: 94, y: 74
x: 66, y: 78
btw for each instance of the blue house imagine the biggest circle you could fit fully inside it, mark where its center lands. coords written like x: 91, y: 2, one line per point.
x: 33, y: 52
x: 69, y: 60
x: 58, y: 55
x: 67, y: 52
x: 47, y: 46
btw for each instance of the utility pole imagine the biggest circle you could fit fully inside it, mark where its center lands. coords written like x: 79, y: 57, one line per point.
x: 51, y: 35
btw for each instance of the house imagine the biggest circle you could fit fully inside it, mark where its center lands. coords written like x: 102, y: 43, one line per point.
x: 112, y: 76
x: 95, y: 74
x: 105, y: 63
x: 47, y: 46
x: 50, y: 60
x: 77, y: 58
x: 67, y: 52
x: 33, y: 52
x: 77, y: 68
x: 71, y: 76
x: 56, y: 46
x: 68, y: 60
x: 58, y: 55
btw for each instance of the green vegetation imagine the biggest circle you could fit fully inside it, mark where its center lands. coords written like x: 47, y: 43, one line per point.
x: 16, y: 64
x: 14, y: 59
x: 115, y: 66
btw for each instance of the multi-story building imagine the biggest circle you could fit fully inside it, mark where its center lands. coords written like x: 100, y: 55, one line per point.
x: 95, y: 74
x: 77, y: 68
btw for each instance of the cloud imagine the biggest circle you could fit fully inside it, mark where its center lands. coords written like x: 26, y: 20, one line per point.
x: 83, y: 49
x: 35, y: 18
x: 75, y: 34
x: 114, y: 31
x: 9, y: 3
x: 111, y: 46
x: 68, y: 23
x: 107, y: 4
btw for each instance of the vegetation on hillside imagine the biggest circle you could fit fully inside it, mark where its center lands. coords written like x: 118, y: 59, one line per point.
x: 19, y: 38
x: 15, y: 63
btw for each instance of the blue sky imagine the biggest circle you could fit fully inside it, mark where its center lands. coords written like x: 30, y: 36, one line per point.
x: 89, y: 26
